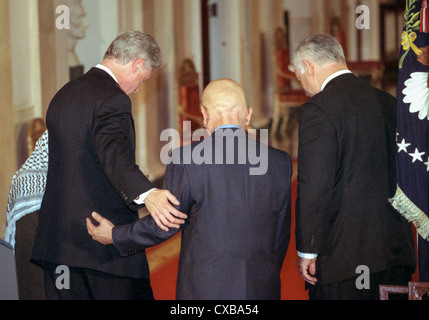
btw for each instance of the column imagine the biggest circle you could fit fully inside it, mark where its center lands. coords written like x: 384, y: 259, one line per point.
x: 7, y: 145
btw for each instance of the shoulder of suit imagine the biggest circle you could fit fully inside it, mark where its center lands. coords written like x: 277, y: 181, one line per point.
x: 101, y: 74
x: 279, y: 154
x: 101, y: 79
x: 346, y: 84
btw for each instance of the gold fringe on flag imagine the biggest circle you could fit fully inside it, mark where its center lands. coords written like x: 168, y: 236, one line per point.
x: 411, y: 212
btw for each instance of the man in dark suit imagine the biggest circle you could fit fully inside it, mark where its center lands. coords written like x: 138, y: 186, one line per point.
x: 92, y: 166
x: 235, y: 239
x: 349, y: 238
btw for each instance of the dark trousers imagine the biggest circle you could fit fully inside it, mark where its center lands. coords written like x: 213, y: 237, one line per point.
x: 423, y: 254
x: 347, y: 290
x: 88, y: 284
x: 30, y: 276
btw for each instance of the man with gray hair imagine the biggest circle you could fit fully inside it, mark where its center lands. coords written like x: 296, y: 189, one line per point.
x: 349, y: 239
x: 92, y: 167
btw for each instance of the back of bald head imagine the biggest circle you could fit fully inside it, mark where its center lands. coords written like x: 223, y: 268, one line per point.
x: 224, y: 96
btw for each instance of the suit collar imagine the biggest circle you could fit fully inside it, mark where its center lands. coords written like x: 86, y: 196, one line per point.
x: 333, y: 76
x: 102, y: 73
x: 340, y: 78
x: 104, y: 68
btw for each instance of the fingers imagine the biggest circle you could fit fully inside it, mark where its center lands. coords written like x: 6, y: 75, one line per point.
x: 90, y: 227
x: 159, y: 223
x: 172, y: 198
x: 97, y: 217
x: 164, y: 219
x: 174, y: 215
x: 312, y: 270
x: 101, y: 220
x: 307, y: 268
x: 102, y: 232
x: 308, y: 278
x: 159, y: 204
x: 162, y: 198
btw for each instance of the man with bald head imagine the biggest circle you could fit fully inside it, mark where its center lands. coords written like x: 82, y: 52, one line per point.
x: 224, y: 103
x: 237, y: 232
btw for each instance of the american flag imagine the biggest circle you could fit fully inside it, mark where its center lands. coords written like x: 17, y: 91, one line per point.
x: 412, y: 194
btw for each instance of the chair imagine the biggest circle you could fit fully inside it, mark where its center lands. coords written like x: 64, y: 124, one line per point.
x: 418, y: 290
x: 36, y: 128
x: 285, y: 98
x: 8, y: 278
x: 414, y: 290
x: 189, y: 99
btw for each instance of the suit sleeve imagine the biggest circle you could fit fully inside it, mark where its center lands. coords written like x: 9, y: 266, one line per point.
x: 317, y: 158
x: 284, y: 224
x: 144, y: 233
x: 136, y: 237
x: 115, y: 146
x: 176, y: 180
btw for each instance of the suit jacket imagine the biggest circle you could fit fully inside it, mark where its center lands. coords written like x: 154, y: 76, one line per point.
x: 346, y: 174
x: 91, y: 168
x: 235, y: 239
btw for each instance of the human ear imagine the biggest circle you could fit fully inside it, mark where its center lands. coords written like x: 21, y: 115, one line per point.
x: 205, y: 115
x: 308, y: 66
x: 249, y: 115
x: 138, y: 64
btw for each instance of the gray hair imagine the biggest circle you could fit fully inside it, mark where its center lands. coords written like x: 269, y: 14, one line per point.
x: 319, y: 48
x: 132, y: 45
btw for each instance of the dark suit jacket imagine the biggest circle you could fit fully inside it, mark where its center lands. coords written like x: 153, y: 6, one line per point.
x: 235, y: 239
x: 346, y: 174
x: 91, y: 168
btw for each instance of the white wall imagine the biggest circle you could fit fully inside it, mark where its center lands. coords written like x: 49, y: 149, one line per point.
x: 225, y: 49
x: 25, y: 67
x: 300, y: 20
x: 103, y: 20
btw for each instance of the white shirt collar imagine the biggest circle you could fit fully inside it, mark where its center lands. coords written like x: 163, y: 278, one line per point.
x: 332, y: 76
x: 103, y: 67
